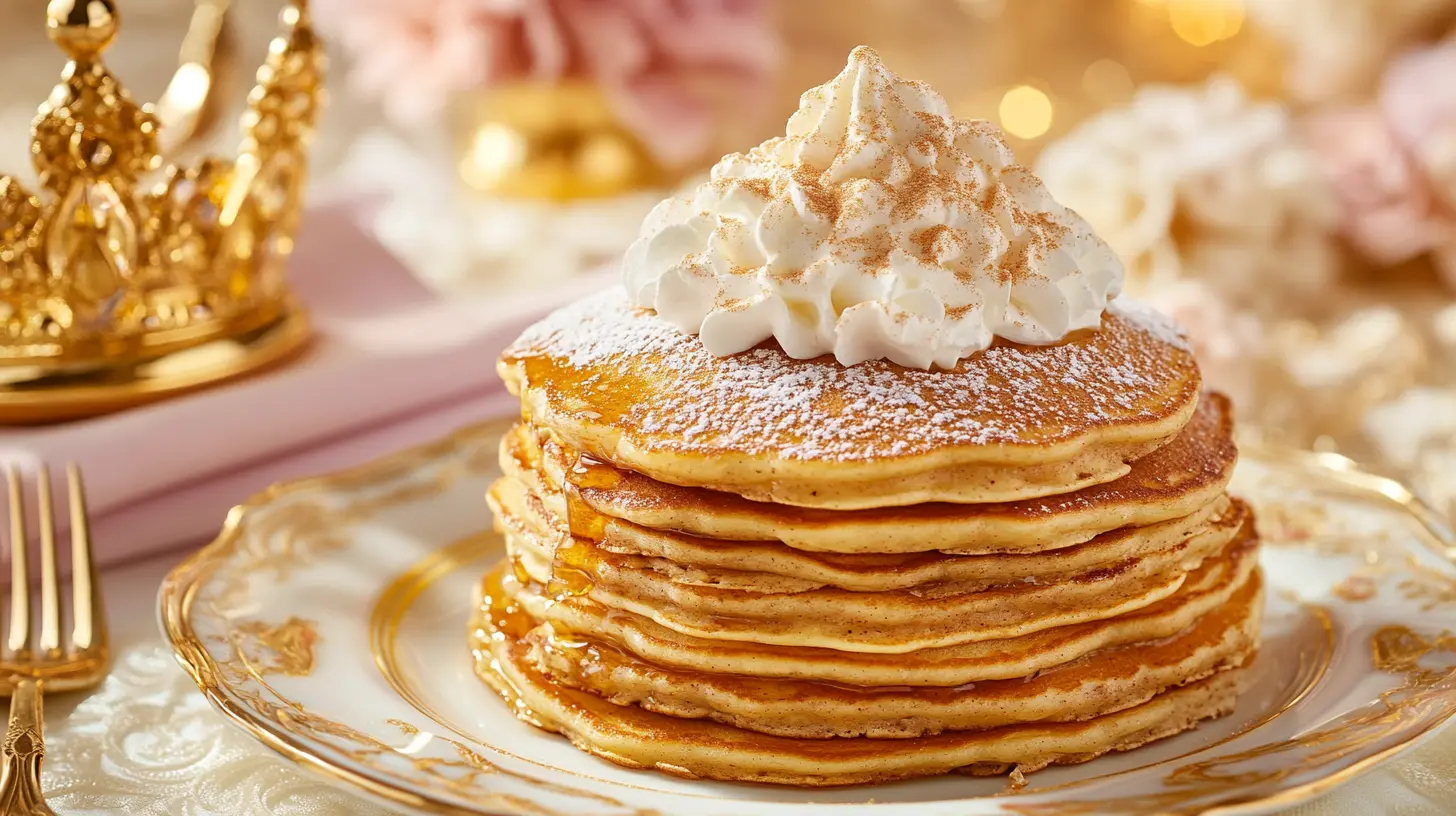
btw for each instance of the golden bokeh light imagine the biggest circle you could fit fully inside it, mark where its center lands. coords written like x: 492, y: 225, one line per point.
x: 1205, y: 22
x: 1107, y: 82
x: 1026, y: 112
x: 495, y: 152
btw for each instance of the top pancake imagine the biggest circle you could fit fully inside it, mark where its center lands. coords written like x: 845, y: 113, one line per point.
x: 1008, y: 423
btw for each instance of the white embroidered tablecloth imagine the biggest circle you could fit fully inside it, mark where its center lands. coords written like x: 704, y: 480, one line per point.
x: 148, y: 744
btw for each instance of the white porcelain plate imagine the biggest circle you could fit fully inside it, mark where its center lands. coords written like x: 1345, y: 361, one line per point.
x: 328, y: 620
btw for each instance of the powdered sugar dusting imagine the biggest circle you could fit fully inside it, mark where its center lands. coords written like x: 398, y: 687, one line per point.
x: 1157, y: 323
x: 664, y: 391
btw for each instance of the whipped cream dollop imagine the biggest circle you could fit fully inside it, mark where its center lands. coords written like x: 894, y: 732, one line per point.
x: 879, y: 226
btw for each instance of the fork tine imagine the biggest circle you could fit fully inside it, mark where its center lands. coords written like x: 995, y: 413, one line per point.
x: 50, y: 582
x: 20, y: 641
x: 90, y: 620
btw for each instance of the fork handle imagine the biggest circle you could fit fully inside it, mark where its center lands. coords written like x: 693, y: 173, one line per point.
x: 20, y: 791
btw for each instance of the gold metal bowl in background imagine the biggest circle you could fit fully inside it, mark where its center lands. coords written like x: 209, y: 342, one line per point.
x: 554, y: 141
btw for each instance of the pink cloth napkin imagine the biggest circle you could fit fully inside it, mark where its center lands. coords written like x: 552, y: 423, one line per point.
x: 393, y: 364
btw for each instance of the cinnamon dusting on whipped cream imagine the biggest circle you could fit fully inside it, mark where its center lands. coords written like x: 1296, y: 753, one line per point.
x: 878, y: 226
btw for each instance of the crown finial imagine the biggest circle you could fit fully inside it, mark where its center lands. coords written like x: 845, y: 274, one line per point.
x: 83, y: 28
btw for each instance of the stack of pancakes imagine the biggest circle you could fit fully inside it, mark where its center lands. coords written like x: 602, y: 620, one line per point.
x: 767, y: 569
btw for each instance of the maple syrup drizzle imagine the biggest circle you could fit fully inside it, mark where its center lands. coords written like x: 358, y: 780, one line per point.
x: 575, y: 562
x: 588, y: 473
x: 581, y: 519
x: 589, y: 662
x: 591, y: 472
x: 519, y: 570
x: 573, y: 569
x: 503, y: 616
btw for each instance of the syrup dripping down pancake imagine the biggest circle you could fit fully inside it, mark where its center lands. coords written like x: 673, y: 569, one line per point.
x: 1184, y: 476
x: 886, y: 625
x: 887, y: 622
x: 1109, y: 680
x: 702, y: 749
x: 773, y: 567
x: 1205, y: 591
x: 536, y: 538
x: 1009, y: 423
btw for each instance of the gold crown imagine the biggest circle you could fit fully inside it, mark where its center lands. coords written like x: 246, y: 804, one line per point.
x: 124, y: 281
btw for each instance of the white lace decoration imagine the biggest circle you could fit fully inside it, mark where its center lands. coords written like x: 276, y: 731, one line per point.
x: 148, y: 744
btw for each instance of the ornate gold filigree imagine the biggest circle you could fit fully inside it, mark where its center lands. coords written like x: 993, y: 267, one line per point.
x: 1430, y: 587
x: 261, y: 215
x: 1304, y: 521
x: 20, y: 788
x: 1399, y: 649
x: 286, y: 648
x: 1426, y: 695
x: 20, y: 792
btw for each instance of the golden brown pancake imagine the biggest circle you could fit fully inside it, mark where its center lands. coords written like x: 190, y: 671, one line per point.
x: 886, y: 622
x: 1008, y: 423
x: 1109, y: 680
x: 887, y: 625
x: 1172, y: 482
x: 773, y: 567
x: 759, y: 568
x: 1204, y: 591
x: 702, y: 749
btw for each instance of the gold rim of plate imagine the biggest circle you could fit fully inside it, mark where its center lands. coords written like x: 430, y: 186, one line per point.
x: 31, y: 395
x: 181, y: 586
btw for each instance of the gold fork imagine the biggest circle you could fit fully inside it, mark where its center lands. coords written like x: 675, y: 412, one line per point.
x: 51, y: 663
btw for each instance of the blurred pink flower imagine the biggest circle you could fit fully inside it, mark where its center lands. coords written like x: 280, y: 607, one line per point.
x: 412, y: 54
x: 1418, y: 99
x: 1393, y: 163
x: 649, y: 56
x: 1387, y: 210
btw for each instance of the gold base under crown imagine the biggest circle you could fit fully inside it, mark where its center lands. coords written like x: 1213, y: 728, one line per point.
x: 41, y: 394
x: 124, y: 283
